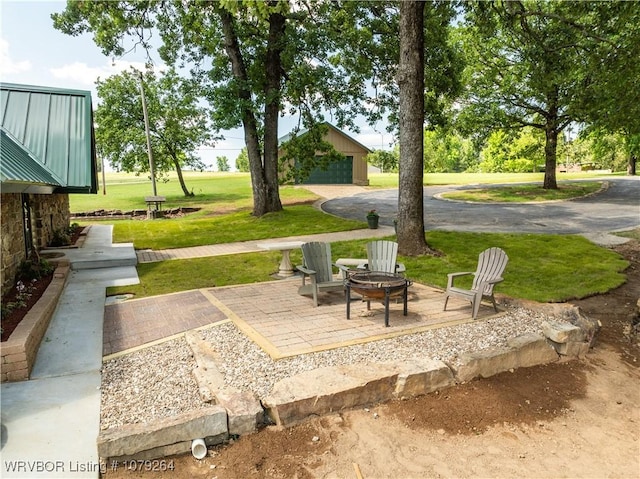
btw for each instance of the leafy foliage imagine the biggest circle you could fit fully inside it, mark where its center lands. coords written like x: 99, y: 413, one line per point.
x: 445, y: 151
x: 531, y: 63
x: 223, y: 163
x: 178, y: 124
x: 242, y: 161
x: 304, y: 151
x: 387, y: 161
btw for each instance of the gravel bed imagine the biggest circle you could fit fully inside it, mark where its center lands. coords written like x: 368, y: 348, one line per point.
x: 157, y: 382
x: 149, y: 384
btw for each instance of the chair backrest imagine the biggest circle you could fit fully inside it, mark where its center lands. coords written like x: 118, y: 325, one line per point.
x: 491, y: 265
x: 382, y: 255
x: 317, y: 256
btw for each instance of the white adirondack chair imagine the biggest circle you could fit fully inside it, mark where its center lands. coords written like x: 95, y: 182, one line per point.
x: 382, y: 256
x: 318, y: 267
x: 491, y: 265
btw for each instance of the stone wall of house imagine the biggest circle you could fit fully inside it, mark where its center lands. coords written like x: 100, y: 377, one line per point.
x: 49, y: 213
x: 12, y: 238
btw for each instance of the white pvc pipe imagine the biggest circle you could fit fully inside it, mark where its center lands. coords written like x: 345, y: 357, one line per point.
x: 198, y: 448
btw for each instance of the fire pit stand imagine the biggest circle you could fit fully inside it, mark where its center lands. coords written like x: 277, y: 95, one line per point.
x: 378, y: 286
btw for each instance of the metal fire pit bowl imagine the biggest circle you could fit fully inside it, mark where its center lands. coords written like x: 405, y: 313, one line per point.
x: 373, y: 284
x: 377, y: 285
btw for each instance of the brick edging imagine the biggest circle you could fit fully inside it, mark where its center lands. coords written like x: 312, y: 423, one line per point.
x: 19, y: 351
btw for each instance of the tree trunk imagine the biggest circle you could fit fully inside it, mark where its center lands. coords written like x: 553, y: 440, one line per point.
x: 410, y: 78
x: 551, y: 142
x: 249, y: 123
x: 273, y: 69
x: 550, y: 152
x: 631, y: 166
x: 176, y: 164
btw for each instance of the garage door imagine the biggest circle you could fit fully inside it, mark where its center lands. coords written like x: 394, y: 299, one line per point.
x: 340, y: 173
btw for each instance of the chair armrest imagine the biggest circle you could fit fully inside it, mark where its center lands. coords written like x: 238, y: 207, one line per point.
x: 341, y: 267
x: 305, y: 270
x: 483, y: 284
x: 452, y: 276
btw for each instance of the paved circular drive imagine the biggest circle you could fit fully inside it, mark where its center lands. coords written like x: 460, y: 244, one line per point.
x: 615, y: 208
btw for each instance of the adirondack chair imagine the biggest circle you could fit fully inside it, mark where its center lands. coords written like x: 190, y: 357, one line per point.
x: 318, y: 267
x: 491, y: 265
x: 381, y: 256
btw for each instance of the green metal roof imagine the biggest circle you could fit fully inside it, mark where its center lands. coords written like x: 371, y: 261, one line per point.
x: 49, y: 140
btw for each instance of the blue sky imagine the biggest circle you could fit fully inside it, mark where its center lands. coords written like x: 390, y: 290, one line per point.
x: 33, y: 52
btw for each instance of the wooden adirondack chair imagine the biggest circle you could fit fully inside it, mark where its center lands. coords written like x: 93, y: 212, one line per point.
x: 382, y: 256
x: 491, y: 265
x: 319, y: 269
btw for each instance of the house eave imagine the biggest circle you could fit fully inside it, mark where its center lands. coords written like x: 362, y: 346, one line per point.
x: 30, y: 188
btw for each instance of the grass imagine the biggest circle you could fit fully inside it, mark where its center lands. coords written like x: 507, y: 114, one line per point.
x: 541, y: 267
x: 633, y: 234
x: 215, y: 193
x: 546, y: 268
x: 390, y: 180
x: 239, y: 226
x: 524, y: 193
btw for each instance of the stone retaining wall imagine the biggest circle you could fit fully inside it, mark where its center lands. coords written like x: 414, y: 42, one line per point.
x: 20, y: 350
x: 336, y: 388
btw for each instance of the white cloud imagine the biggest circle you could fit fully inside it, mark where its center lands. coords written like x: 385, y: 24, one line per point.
x: 8, y: 65
x: 86, y: 75
x: 78, y: 73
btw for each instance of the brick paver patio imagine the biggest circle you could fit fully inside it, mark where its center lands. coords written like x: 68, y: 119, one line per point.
x: 279, y: 320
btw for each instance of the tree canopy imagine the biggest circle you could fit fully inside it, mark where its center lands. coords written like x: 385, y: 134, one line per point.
x: 531, y: 63
x: 178, y: 125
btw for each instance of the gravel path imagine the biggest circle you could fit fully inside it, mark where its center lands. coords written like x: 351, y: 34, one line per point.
x: 157, y: 382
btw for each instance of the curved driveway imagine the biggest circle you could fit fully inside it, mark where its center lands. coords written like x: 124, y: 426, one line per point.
x: 613, y: 209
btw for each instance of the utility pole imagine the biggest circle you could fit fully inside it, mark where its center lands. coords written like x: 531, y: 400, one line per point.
x: 146, y: 128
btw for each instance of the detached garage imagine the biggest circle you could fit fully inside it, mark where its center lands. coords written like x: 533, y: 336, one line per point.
x: 352, y: 170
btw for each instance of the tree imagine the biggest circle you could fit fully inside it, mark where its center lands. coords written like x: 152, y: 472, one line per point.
x: 257, y: 59
x: 223, y: 163
x: 447, y: 152
x: 177, y: 124
x: 519, y: 152
x: 613, y: 93
x: 410, y: 226
x: 242, y: 161
x: 387, y: 161
x: 372, y: 37
x: 531, y: 64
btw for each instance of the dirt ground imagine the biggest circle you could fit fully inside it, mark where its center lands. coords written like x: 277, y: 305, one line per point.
x: 568, y: 419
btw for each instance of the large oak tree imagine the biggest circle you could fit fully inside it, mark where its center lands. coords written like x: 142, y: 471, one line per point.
x: 257, y: 59
x: 531, y: 63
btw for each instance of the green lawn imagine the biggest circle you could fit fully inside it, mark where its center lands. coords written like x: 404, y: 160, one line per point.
x: 541, y: 267
x: 523, y: 193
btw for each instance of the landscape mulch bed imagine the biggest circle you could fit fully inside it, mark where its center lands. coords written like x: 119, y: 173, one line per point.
x: 36, y: 289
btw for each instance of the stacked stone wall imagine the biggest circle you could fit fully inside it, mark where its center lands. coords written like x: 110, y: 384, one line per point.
x: 13, y: 248
x: 49, y: 213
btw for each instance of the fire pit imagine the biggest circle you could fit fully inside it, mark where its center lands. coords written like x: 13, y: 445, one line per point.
x: 377, y: 285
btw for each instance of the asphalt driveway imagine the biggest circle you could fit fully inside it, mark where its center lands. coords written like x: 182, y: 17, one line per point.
x: 615, y: 208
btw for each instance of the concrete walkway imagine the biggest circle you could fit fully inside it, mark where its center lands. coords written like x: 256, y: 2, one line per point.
x: 150, y: 256
x: 50, y: 423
